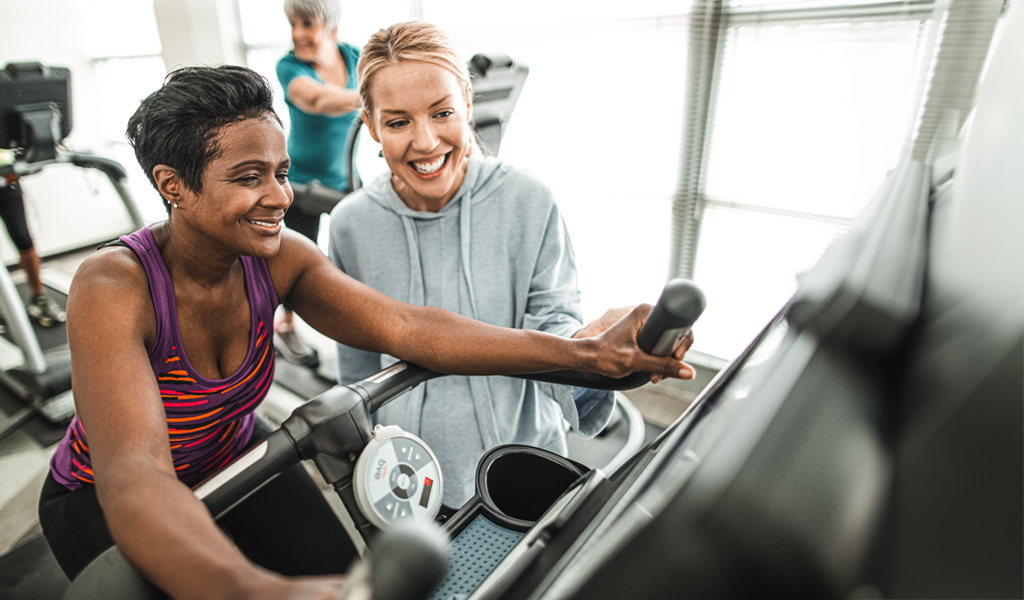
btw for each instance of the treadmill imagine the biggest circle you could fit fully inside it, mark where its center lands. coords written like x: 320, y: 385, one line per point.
x: 35, y: 115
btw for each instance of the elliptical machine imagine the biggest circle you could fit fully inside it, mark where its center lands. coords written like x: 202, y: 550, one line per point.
x: 392, y: 515
x: 35, y: 115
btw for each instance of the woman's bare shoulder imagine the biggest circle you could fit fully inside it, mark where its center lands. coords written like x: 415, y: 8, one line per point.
x: 114, y: 274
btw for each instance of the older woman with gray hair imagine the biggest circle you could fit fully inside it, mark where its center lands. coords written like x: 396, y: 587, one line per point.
x: 319, y: 80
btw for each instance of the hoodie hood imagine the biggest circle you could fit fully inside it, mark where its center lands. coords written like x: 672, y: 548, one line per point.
x: 483, y: 176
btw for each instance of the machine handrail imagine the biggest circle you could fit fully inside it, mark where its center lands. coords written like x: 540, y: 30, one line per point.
x: 333, y: 428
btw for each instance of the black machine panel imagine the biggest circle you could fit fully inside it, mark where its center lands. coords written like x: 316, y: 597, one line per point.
x: 35, y: 108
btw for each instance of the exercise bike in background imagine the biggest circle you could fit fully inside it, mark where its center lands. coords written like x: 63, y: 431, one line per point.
x: 35, y: 115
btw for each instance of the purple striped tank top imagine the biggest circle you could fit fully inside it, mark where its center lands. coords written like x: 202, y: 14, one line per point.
x: 209, y: 421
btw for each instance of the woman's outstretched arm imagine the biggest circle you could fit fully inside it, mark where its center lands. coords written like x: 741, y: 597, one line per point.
x: 359, y: 316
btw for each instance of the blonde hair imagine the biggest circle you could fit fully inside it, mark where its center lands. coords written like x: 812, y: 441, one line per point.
x: 412, y: 40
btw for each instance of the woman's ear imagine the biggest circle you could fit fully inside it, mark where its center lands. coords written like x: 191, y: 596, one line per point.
x: 168, y: 184
x: 368, y: 121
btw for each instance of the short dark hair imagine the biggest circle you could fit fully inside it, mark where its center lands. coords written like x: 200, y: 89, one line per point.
x: 177, y: 125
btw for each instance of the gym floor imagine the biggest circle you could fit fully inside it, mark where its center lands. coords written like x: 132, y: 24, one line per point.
x: 28, y: 571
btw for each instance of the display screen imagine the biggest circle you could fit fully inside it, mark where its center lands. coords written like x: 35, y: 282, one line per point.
x: 32, y: 85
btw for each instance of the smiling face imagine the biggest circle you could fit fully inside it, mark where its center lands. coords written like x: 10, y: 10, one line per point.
x: 311, y: 38
x: 421, y: 119
x: 245, y: 190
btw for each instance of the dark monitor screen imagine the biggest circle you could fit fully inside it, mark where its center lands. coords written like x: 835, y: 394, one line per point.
x: 33, y: 92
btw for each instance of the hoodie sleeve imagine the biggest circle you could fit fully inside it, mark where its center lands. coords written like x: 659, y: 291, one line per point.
x: 554, y: 307
x: 553, y: 304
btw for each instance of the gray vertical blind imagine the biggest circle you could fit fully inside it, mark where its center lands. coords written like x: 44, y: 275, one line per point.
x: 704, y: 42
x: 966, y: 35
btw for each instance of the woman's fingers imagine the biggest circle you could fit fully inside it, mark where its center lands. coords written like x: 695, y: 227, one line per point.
x: 598, y: 326
x: 622, y: 334
x: 675, y: 368
x: 684, y: 371
x: 684, y: 346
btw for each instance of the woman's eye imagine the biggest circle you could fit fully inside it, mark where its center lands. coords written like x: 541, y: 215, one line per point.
x: 444, y: 114
x: 397, y: 124
x: 282, y: 177
x: 249, y: 180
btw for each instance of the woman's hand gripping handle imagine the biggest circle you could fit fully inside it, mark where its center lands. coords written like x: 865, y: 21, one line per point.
x: 641, y: 344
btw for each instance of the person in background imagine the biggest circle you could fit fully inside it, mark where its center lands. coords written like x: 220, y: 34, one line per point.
x: 41, y: 308
x: 451, y: 228
x: 319, y: 80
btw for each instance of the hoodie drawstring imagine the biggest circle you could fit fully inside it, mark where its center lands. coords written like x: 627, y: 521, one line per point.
x: 480, y: 387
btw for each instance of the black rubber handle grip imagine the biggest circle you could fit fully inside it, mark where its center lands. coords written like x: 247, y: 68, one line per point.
x: 681, y: 303
x: 408, y: 561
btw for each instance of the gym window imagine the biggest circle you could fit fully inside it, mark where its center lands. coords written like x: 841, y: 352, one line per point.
x: 727, y: 142
x: 124, y: 43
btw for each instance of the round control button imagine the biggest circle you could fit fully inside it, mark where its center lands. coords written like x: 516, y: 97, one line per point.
x: 397, y: 477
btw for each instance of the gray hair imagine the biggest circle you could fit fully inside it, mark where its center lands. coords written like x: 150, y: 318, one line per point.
x: 328, y: 11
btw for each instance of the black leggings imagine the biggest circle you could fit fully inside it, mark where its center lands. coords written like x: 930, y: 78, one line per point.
x: 12, y: 211
x: 287, y: 527
x: 307, y: 225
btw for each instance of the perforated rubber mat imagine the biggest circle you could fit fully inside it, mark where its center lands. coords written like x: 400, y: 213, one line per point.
x: 473, y: 554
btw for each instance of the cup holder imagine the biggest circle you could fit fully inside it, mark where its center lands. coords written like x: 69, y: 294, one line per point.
x: 521, y: 482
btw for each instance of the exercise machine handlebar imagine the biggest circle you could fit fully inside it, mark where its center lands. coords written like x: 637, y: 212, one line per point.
x: 333, y: 428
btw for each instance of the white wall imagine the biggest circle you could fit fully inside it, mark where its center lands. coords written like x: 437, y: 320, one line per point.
x: 199, y: 32
x: 67, y: 207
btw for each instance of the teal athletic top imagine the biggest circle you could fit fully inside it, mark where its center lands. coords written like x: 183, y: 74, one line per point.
x: 316, y: 143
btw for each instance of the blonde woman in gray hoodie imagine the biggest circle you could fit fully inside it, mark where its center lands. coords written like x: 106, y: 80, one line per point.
x: 450, y: 228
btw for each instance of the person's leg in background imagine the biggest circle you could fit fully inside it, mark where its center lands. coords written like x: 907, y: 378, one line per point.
x: 286, y: 339
x: 41, y: 308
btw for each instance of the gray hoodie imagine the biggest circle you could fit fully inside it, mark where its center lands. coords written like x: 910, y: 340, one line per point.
x: 497, y: 252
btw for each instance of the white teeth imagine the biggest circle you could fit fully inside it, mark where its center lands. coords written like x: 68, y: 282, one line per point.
x: 429, y: 168
x: 264, y: 223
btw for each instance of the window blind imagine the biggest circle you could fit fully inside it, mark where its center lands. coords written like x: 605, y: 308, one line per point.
x: 796, y: 112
